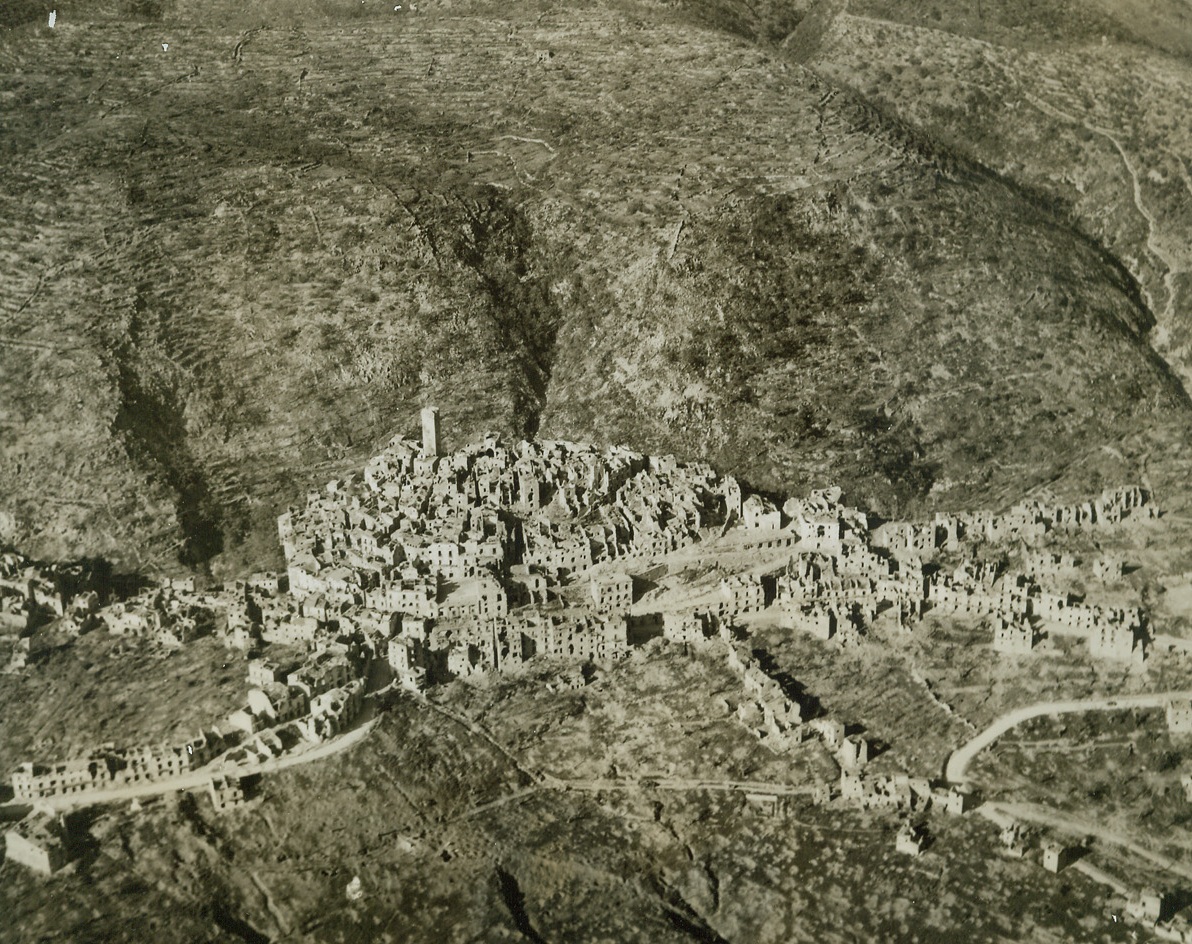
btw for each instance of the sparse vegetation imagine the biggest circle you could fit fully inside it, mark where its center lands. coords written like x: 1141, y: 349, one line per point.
x: 244, y: 243
x: 270, y: 263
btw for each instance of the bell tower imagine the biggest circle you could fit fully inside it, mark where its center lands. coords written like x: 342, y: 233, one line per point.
x: 430, y: 431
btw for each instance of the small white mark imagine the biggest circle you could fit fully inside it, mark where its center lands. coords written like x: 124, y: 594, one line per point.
x: 165, y: 47
x: 53, y: 18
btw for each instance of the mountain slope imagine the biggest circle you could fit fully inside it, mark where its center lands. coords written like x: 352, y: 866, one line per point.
x: 1078, y: 108
x: 245, y: 247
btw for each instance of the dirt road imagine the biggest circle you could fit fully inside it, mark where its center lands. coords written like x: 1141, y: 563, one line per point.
x: 956, y: 767
x: 200, y: 778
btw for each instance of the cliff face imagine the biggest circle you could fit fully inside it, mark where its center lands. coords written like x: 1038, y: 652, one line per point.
x: 243, y: 248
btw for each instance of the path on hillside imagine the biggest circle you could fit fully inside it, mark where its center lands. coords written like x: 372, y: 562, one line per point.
x: 542, y: 780
x: 480, y: 731
x: 684, y: 784
x: 956, y: 767
x: 647, y: 784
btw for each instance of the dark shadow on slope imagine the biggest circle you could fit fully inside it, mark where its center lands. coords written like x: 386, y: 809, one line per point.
x: 792, y: 688
x: 760, y: 21
x: 82, y: 847
x: 683, y: 917
x: 151, y: 424
x: 238, y: 927
x: 515, y: 901
x: 73, y: 578
x: 693, y: 927
x: 496, y: 241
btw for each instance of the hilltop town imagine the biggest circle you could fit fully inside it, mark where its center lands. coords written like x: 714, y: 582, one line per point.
x: 828, y: 578
x: 428, y: 567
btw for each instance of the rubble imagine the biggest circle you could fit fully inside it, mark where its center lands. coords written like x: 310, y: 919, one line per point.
x: 911, y: 840
x: 448, y: 565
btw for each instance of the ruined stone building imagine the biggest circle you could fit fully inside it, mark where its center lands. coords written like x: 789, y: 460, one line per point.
x: 38, y: 842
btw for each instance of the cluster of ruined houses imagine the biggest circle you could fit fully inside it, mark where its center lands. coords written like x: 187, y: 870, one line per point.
x: 451, y: 565
x: 313, y: 696
x: 33, y: 594
x: 26, y: 591
x: 172, y: 612
x: 841, y: 574
x: 110, y: 767
x: 181, y: 609
x: 312, y: 700
x: 1027, y: 521
x: 416, y: 519
x: 1019, y: 607
x: 450, y: 560
x: 454, y: 563
x: 316, y: 698
x: 899, y: 792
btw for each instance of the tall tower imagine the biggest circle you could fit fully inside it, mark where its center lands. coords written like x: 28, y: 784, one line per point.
x: 430, y: 431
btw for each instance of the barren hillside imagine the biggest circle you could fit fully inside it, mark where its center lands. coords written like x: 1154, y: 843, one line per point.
x: 242, y: 248
x: 1084, y: 104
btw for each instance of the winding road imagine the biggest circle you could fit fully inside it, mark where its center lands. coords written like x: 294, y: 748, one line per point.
x: 201, y: 777
x: 956, y: 767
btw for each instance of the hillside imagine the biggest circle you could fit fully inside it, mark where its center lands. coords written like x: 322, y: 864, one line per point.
x: 1083, y: 104
x: 243, y: 248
